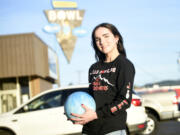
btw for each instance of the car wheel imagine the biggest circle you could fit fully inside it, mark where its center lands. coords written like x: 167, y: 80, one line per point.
x: 5, y: 132
x: 152, y: 125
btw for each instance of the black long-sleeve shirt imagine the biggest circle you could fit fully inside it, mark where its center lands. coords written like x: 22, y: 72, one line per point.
x: 111, y: 86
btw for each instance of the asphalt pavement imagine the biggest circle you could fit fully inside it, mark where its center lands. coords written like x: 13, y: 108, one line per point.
x: 169, y: 128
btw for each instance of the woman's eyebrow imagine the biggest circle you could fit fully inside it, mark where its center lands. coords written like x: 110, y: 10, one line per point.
x: 105, y: 34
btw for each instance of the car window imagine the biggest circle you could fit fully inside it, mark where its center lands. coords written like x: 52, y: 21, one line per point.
x: 134, y: 92
x: 49, y: 100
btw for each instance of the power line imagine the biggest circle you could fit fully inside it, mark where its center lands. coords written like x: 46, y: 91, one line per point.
x: 155, y: 78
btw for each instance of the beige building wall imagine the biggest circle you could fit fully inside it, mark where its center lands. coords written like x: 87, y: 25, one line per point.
x: 24, y: 69
x: 23, y: 55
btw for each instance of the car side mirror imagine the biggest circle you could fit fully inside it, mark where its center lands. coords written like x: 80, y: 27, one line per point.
x: 26, y: 108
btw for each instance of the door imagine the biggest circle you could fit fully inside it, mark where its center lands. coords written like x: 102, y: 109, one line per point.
x: 8, y: 100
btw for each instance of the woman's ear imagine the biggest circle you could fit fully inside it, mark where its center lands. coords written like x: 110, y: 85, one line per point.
x: 117, y: 39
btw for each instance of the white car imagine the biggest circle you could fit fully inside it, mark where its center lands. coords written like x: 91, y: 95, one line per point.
x: 44, y: 115
x: 136, y: 115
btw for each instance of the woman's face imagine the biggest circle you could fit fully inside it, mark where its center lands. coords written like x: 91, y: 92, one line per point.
x: 105, y: 40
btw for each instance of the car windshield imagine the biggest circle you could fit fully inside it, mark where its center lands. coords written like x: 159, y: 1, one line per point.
x: 49, y: 100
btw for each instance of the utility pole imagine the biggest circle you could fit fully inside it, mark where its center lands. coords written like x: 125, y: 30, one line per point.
x: 178, y: 61
x: 79, y: 76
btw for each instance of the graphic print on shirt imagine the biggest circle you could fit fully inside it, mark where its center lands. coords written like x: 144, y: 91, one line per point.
x: 103, y: 79
x: 95, y: 72
x: 97, y: 80
x: 128, y: 90
x: 124, y: 102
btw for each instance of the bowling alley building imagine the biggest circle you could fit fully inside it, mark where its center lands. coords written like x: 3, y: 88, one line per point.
x: 27, y: 67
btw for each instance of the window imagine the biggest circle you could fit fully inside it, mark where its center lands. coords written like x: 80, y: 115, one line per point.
x: 49, y: 100
x: 7, y: 83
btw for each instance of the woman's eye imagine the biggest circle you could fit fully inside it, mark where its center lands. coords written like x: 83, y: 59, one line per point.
x: 106, y: 36
x: 97, y: 40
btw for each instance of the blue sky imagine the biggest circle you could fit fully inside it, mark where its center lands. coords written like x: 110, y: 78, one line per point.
x: 150, y: 28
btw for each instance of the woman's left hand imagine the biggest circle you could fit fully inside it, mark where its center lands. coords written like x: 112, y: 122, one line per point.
x: 84, y: 118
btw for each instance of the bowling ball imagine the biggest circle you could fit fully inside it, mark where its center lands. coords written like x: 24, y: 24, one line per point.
x: 74, y: 103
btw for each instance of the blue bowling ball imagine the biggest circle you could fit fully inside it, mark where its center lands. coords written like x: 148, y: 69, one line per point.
x: 74, y: 103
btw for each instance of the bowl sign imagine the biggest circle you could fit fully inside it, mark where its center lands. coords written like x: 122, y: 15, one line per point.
x: 69, y: 22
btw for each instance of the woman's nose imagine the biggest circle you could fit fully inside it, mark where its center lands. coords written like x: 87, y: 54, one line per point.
x: 101, y: 41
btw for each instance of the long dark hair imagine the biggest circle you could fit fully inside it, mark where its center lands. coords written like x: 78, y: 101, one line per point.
x: 98, y: 54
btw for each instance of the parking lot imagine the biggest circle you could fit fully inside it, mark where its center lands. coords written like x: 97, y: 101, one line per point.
x: 169, y: 128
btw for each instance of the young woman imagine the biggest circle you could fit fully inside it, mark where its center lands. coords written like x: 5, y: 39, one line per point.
x: 111, y: 81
